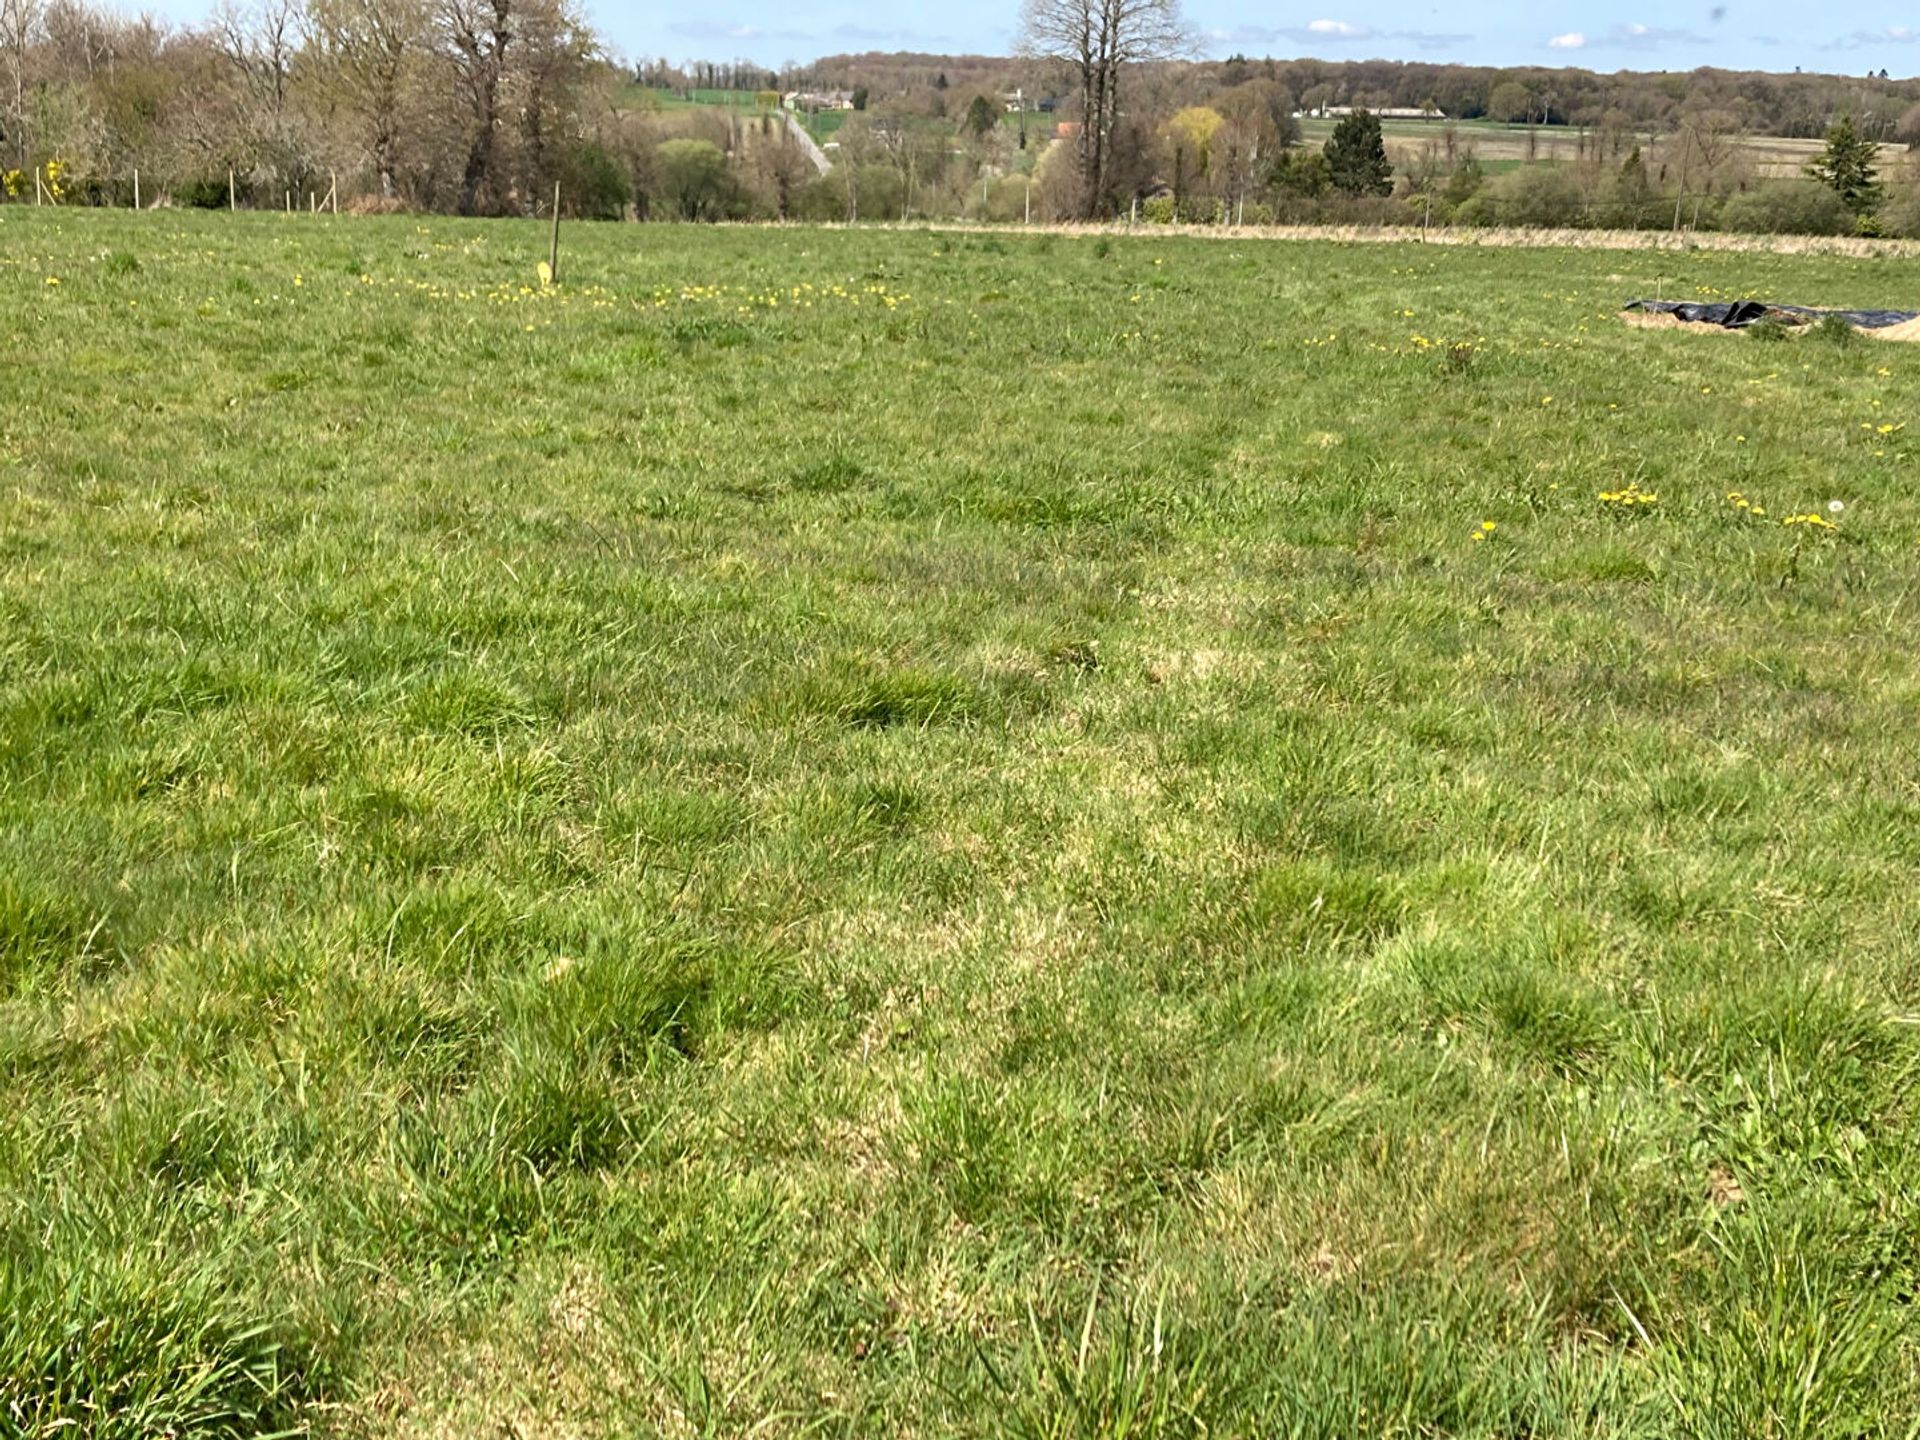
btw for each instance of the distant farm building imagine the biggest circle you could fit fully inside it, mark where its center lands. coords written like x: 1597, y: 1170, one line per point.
x: 817, y: 100
x: 1385, y: 112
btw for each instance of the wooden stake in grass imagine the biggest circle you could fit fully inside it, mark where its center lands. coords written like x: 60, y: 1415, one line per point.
x: 553, y: 245
x: 233, y: 199
x: 333, y: 189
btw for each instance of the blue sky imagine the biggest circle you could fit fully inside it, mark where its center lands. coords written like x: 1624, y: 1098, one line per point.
x: 1850, y: 38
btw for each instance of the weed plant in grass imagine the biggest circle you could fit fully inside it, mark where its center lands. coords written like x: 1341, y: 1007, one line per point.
x: 892, y: 833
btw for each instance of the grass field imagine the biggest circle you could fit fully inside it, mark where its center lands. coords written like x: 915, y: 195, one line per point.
x: 819, y: 123
x: 1500, y: 148
x: 885, y: 833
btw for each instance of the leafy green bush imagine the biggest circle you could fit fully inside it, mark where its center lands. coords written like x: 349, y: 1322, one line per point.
x: 1301, y: 172
x: 1463, y: 184
x: 594, y: 185
x: 882, y: 192
x: 203, y: 192
x: 1787, y: 207
x: 1901, y: 215
x: 823, y: 198
x: 694, y: 180
x: 1158, y: 210
x: 1539, y: 196
x: 1006, y: 197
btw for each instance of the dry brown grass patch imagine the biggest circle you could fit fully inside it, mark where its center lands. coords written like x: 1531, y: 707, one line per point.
x: 1907, y: 331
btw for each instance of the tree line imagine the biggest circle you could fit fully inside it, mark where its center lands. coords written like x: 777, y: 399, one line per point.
x: 1792, y: 104
x: 1218, y: 142
x: 481, y: 106
x: 475, y: 106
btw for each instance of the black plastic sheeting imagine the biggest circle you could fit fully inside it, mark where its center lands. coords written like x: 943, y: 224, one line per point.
x: 1739, y: 314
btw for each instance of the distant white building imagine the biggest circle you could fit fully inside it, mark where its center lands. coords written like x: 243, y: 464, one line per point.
x: 1386, y: 112
x: 817, y: 100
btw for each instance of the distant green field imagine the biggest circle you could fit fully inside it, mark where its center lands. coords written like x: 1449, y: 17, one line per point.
x: 747, y: 98
x: 885, y: 833
x: 820, y: 124
x: 823, y: 123
x: 673, y: 99
x: 1498, y: 146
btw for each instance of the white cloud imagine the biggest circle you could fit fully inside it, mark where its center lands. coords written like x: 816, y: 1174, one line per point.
x: 715, y: 30
x: 1338, y: 29
x: 1329, y: 32
x: 1625, y: 37
x: 1866, y: 39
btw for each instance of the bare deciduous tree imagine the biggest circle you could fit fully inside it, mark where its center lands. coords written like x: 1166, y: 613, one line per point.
x: 267, y: 135
x: 556, y: 50
x: 477, y: 35
x: 259, y: 43
x: 19, y: 28
x: 1099, y: 39
x: 1707, y: 154
x: 367, y: 50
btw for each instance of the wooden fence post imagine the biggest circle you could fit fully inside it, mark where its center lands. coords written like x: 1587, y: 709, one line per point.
x: 553, y: 247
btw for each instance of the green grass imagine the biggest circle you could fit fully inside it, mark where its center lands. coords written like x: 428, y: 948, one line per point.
x: 640, y: 860
x: 666, y: 99
x: 822, y: 124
